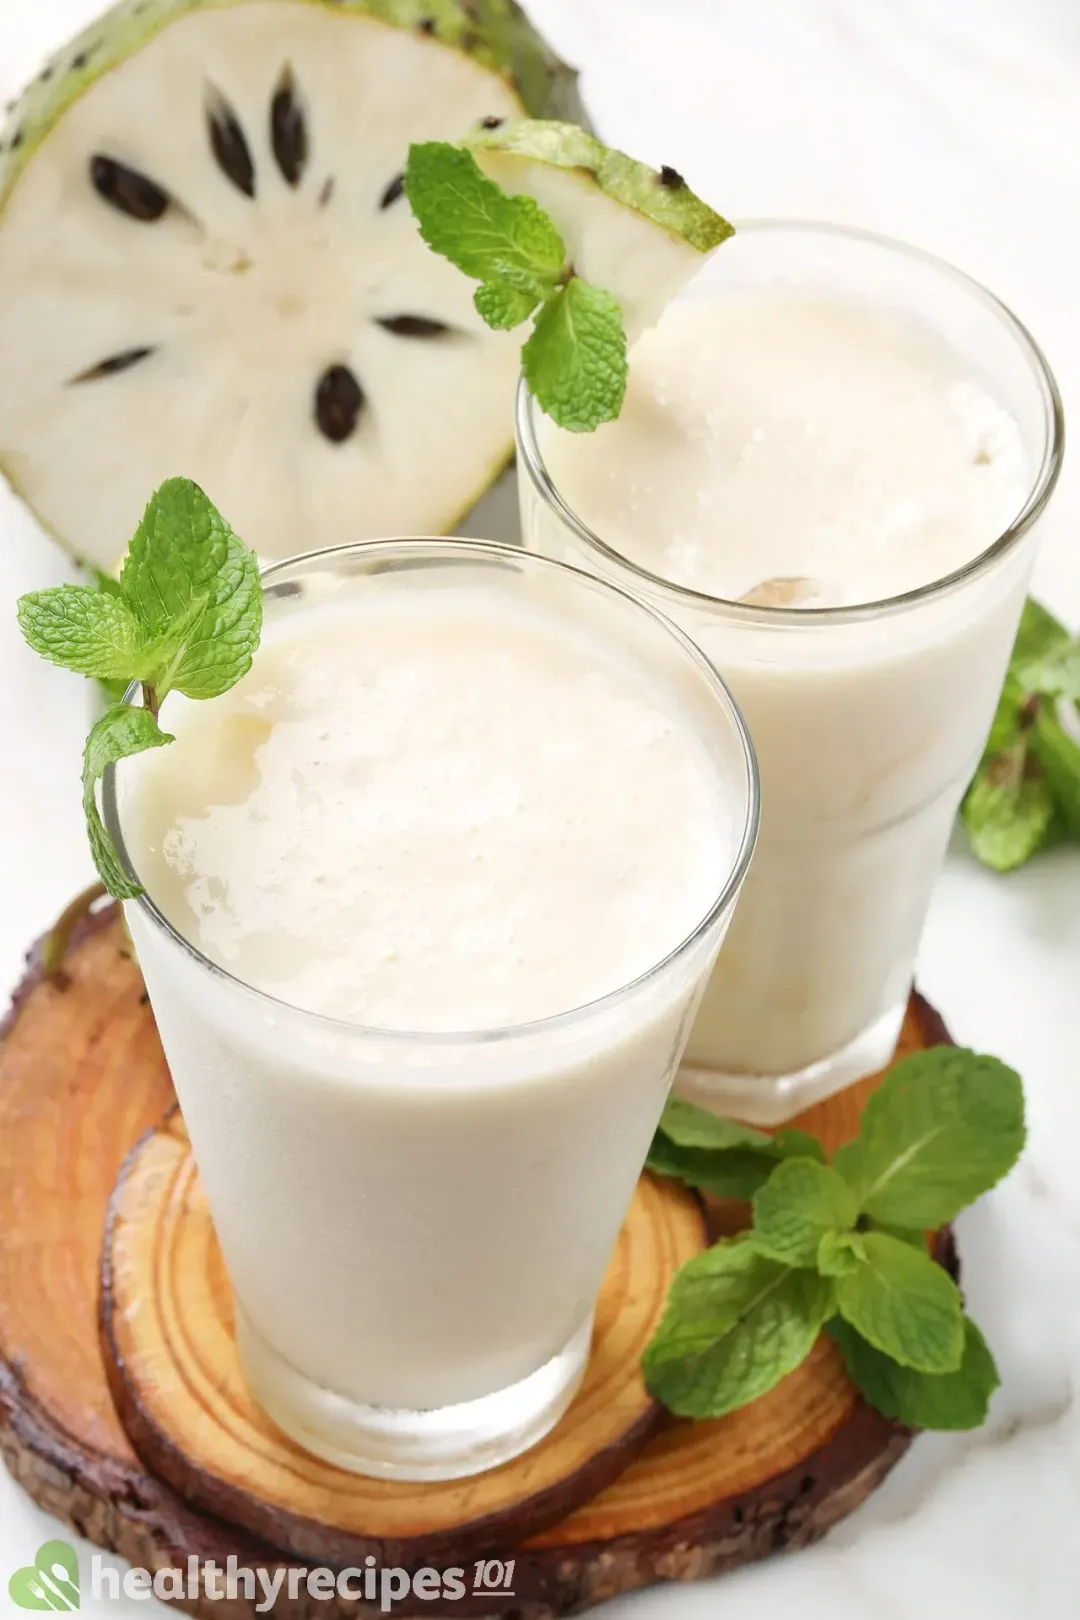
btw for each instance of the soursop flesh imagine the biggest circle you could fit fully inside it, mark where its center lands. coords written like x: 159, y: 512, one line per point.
x: 207, y: 267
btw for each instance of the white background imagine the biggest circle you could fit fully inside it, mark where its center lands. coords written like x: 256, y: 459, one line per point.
x: 956, y: 126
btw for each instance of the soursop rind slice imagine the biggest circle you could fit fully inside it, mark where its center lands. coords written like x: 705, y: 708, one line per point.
x: 638, y: 232
x: 116, y: 378
x: 661, y: 195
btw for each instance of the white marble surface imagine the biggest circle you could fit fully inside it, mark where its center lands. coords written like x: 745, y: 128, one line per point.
x: 958, y: 127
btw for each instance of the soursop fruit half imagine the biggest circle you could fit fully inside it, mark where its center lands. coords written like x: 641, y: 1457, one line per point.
x: 207, y: 267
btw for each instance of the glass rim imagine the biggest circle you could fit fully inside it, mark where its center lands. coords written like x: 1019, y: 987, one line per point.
x: 432, y: 1039
x: 754, y: 614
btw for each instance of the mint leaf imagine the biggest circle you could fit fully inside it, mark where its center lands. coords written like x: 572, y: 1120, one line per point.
x: 1038, y: 634
x: 120, y: 731
x: 194, y: 587
x: 795, y: 1144
x: 1058, y: 754
x: 736, y: 1323
x: 1005, y: 727
x: 1016, y: 804
x: 840, y: 1253
x: 717, y: 1155
x: 734, y: 1173
x: 952, y: 1400
x: 904, y: 1304
x: 1008, y: 809
x: 575, y: 360
x: 943, y: 1127
x: 186, y: 614
x: 693, y: 1127
x: 471, y: 221
x: 503, y: 306
x: 801, y: 1201
x: 912, y: 1236
x: 1056, y: 673
x: 85, y: 630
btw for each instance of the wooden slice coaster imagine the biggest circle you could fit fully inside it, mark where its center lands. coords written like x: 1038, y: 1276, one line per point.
x: 171, y: 1359
x: 81, y: 1078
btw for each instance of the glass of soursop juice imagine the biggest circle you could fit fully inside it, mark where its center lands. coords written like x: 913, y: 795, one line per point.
x: 430, y: 899
x: 831, y: 468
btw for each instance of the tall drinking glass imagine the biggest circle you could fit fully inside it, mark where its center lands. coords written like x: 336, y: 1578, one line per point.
x: 416, y: 1225
x: 867, y: 719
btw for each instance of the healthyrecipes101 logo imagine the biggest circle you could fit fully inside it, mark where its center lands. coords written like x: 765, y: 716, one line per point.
x: 50, y: 1582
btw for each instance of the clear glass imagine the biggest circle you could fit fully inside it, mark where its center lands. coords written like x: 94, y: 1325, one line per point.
x: 416, y: 1225
x: 867, y: 721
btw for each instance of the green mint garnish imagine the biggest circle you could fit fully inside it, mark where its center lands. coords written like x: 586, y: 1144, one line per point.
x: 952, y: 1400
x: 800, y: 1204
x: 736, y: 1323
x: 184, y: 616
x: 718, y: 1156
x: 575, y: 358
x: 842, y: 1245
x: 119, y: 732
x: 903, y: 1303
x: 946, y: 1126
x: 1026, y: 791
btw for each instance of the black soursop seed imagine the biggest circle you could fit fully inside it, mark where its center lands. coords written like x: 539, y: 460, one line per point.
x: 126, y: 190
x: 339, y: 399
x: 288, y: 129
x: 112, y: 364
x: 413, y: 326
x: 426, y: 25
x: 671, y: 178
x: 394, y: 190
x: 491, y: 122
x: 229, y: 144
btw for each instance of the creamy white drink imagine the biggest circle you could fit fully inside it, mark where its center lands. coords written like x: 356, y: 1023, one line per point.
x: 789, y: 453
x: 432, y: 822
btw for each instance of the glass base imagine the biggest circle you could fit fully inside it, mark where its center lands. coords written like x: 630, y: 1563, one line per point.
x: 772, y: 1099
x: 447, y: 1442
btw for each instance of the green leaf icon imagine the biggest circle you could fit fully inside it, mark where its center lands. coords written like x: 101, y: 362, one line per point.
x: 51, y: 1582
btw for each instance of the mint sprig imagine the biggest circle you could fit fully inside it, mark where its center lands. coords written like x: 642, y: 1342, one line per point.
x: 841, y: 1246
x: 575, y: 358
x: 1026, y: 791
x: 184, y: 616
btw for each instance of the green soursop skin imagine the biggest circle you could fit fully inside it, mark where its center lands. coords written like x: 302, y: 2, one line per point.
x: 207, y: 268
x: 660, y: 195
x: 639, y: 233
x: 494, y: 33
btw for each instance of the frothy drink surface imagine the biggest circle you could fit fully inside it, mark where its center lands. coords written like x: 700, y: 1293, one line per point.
x: 797, y: 450
x: 433, y: 813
